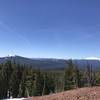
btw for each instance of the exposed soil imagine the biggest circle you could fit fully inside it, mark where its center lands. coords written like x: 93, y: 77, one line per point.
x: 77, y: 94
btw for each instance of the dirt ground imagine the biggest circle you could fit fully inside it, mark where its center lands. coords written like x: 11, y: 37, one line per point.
x: 77, y: 94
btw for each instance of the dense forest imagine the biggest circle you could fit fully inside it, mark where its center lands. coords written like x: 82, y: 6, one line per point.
x: 17, y: 80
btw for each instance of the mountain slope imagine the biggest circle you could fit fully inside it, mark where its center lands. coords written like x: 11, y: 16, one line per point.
x: 77, y: 94
x: 37, y: 62
x: 51, y: 63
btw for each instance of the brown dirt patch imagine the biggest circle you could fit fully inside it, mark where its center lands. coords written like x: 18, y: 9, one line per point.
x: 77, y: 94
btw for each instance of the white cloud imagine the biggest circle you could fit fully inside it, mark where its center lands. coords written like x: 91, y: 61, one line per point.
x: 92, y: 58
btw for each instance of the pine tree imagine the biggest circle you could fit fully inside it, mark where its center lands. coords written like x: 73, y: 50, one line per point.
x: 30, y: 81
x: 79, y: 77
x: 15, y: 81
x: 1, y: 83
x: 69, y: 76
x: 90, y: 76
x: 46, y: 85
x: 22, y: 89
x: 6, y: 76
x: 38, y: 84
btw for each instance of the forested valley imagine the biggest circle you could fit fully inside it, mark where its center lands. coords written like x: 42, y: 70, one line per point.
x: 20, y: 80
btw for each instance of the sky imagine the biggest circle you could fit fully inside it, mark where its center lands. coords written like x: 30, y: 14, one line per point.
x: 50, y: 28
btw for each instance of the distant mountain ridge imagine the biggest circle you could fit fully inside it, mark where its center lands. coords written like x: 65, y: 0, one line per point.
x: 49, y: 63
x: 42, y: 63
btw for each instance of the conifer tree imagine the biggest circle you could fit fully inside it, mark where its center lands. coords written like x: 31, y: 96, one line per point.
x: 69, y: 77
x: 38, y: 84
x: 90, y: 76
x: 79, y: 77
x: 15, y: 81
x: 6, y: 76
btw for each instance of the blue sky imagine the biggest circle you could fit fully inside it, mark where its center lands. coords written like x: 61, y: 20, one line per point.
x: 50, y: 28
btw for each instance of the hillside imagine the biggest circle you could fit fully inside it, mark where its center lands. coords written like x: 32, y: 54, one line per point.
x: 42, y: 63
x: 77, y: 94
x: 53, y: 64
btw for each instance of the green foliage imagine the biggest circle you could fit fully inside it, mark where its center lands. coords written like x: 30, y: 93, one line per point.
x: 49, y: 85
x: 38, y: 83
x: 6, y: 75
x: 23, y: 81
x: 90, y: 76
x: 70, y: 76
